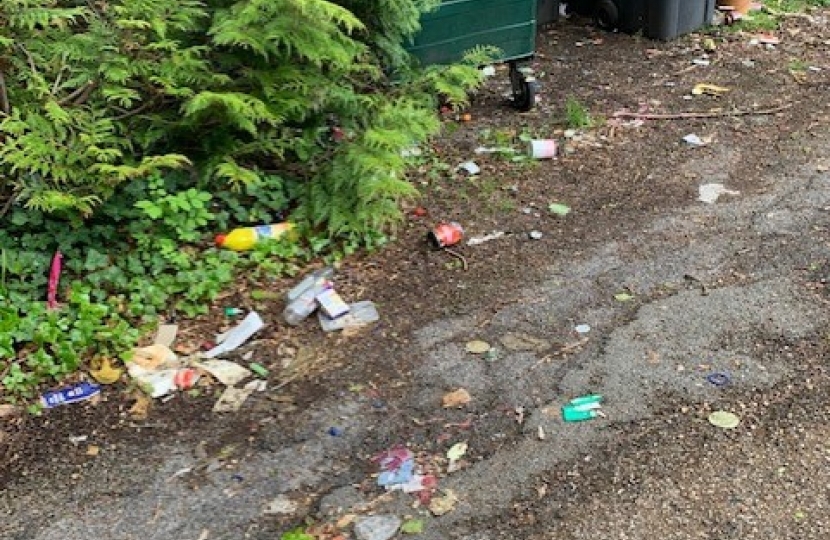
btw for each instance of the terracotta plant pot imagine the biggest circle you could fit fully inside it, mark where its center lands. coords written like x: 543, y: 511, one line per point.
x: 737, y: 6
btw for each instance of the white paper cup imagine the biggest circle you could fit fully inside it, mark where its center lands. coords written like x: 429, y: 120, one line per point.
x: 543, y: 148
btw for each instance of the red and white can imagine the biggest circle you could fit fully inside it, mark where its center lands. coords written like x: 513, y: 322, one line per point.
x: 445, y: 235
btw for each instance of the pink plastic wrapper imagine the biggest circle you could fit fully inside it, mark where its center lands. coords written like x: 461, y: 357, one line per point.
x: 54, y: 279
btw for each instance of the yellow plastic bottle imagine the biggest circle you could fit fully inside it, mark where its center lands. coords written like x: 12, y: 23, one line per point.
x: 245, y: 238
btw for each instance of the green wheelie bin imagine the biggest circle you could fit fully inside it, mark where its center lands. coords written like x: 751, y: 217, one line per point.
x: 460, y: 25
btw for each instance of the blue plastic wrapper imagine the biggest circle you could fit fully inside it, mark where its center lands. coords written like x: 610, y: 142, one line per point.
x: 70, y: 394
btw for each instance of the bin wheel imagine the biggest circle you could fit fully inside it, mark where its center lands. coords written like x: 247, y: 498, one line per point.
x: 607, y: 15
x: 524, y: 89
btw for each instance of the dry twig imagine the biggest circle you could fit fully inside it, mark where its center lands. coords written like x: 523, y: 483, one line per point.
x: 711, y: 114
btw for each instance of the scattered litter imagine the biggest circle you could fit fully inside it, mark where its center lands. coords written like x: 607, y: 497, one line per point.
x: 814, y: 69
x: 226, y: 372
x: 535, y: 235
x: 516, y: 341
x: 477, y: 347
x: 418, y: 484
x: 245, y: 238
x: 455, y: 453
x: 701, y: 62
x: 257, y: 386
x: 582, y: 408
x: 233, y: 311
x: 159, y: 371
x: 360, y: 314
x: 488, y: 71
x: 445, y: 235
x: 582, y: 328
x: 314, y: 278
x: 444, y: 504
x: 259, y: 369
x: 724, y: 419
x: 470, y: 168
x: 477, y: 240
x: 54, y: 280
x: 106, y: 374
x: 413, y: 526
x: 302, y: 299
x: 332, y: 304
x: 229, y: 341
x: 709, y: 90
x: 693, y: 140
x: 280, y: 505
x: 93, y: 450
x: 456, y: 399
x: 166, y: 335
x: 397, y: 466
x: 154, y: 356
x: 540, y: 432
x: 766, y: 39
x: 719, y: 378
x: 495, y: 150
x: 520, y: 414
x: 335, y: 431
x: 623, y: 297
x: 559, y: 209
x: 232, y: 399
x: 709, y: 193
x: 70, y: 394
x: 381, y: 527
x: 78, y: 439
x: 542, y: 148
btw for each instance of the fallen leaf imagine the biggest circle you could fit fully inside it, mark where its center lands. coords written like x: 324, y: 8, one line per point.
x: 93, y: 450
x: 709, y: 89
x: 456, y: 398
x: 141, y: 406
x: 559, y: 209
x: 623, y: 297
x: 413, y: 526
x: 457, y: 451
x: 106, y: 374
x: 232, y: 399
x: 346, y: 520
x: 516, y: 341
x: 724, y: 419
x: 477, y: 347
x: 443, y: 505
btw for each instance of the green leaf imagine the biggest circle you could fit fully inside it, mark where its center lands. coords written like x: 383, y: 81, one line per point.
x: 559, y: 209
x: 623, y: 297
x: 413, y: 526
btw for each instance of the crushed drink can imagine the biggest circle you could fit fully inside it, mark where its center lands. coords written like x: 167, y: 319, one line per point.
x: 445, y: 235
x: 71, y: 394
